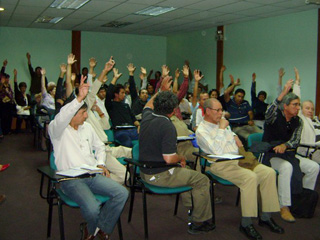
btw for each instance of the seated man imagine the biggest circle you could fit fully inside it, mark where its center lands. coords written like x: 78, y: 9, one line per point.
x: 283, y: 130
x: 120, y: 113
x: 215, y: 137
x: 138, y: 102
x: 73, y: 142
x: 158, y: 143
x: 259, y: 107
x: 311, y: 125
x: 241, y: 115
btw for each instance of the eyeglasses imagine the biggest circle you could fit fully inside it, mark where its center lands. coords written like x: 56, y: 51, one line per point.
x: 218, y: 110
x: 295, y: 104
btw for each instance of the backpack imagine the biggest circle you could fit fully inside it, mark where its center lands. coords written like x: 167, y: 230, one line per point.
x: 303, y: 205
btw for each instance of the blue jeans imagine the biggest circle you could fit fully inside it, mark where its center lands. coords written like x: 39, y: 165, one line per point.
x: 82, y: 192
x: 126, y: 136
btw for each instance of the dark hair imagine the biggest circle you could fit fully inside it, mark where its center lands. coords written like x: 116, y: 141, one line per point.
x: 141, y: 90
x: 240, y: 90
x: 263, y: 93
x: 126, y: 84
x: 22, y: 84
x: 165, y: 103
x: 84, y: 106
x: 102, y: 88
x: 117, y: 89
x: 38, y: 68
x: 214, y: 90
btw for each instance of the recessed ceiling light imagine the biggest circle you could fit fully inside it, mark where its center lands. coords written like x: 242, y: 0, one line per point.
x: 47, y: 19
x: 69, y: 4
x: 116, y: 24
x: 1, y: 9
x: 155, y: 11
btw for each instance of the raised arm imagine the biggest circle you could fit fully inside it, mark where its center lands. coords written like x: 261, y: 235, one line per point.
x: 43, y: 81
x: 253, y: 89
x: 281, y: 73
x: 296, y: 86
x: 271, y: 112
x: 92, y: 65
x: 221, y: 83
x: 143, y: 78
x: 175, y: 82
x: 4, y: 65
x: 165, y: 72
x: 63, y: 118
x: 132, y: 84
x: 109, y: 95
x: 185, y: 84
x: 197, y: 78
x: 230, y: 88
x: 16, y: 89
x: 69, y: 86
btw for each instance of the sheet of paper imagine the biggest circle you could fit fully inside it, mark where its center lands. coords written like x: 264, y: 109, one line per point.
x: 228, y: 156
x: 72, y: 172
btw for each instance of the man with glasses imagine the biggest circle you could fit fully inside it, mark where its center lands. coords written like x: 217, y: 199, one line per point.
x: 283, y: 130
x: 214, y: 136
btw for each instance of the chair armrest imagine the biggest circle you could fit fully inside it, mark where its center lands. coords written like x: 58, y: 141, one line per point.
x: 149, y: 164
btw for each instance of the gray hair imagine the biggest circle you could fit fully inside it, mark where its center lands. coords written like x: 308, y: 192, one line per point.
x: 287, y: 99
x: 208, y: 103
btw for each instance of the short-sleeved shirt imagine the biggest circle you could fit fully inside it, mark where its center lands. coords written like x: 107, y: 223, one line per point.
x: 157, y: 137
x: 239, y: 113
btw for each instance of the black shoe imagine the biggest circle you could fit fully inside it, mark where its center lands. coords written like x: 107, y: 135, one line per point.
x: 272, y: 226
x: 250, y: 232
x: 203, y: 228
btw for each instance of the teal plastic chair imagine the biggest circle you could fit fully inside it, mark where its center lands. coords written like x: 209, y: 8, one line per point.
x: 138, y: 184
x: 63, y: 199
x: 213, y: 179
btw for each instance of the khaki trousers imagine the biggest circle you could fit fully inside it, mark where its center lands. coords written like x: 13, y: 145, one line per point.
x: 246, y: 130
x: 248, y: 181
x: 186, y: 177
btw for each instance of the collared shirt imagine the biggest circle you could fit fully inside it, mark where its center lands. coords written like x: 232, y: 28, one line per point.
x: 73, y: 148
x: 213, y: 140
x: 272, y: 115
x: 239, y: 113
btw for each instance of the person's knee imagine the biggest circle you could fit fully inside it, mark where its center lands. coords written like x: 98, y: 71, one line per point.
x: 285, y: 168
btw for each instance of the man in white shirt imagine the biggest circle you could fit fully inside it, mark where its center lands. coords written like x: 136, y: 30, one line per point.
x: 74, y: 141
x: 215, y: 137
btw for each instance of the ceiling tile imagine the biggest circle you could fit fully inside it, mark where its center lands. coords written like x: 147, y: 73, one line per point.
x: 209, y: 4
x: 57, y: 12
x: 29, y: 10
x: 235, y: 7
x: 182, y: 12
x: 178, y: 4
x: 40, y: 3
x: 98, y: 6
x: 260, y: 10
x: 128, y: 8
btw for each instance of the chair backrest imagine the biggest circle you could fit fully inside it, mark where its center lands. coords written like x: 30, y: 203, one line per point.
x: 253, y: 138
x: 135, y: 152
x: 110, y: 135
x: 52, y: 162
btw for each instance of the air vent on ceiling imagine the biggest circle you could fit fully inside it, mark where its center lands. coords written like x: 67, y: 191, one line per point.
x: 313, y: 2
x: 116, y: 24
x: 47, y: 19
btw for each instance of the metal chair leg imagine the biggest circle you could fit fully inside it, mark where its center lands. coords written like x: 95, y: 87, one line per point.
x: 145, y: 217
x: 212, y: 203
x: 120, y: 229
x: 132, y: 194
x: 176, y: 205
x: 50, y: 202
x: 61, y: 224
x: 238, y: 198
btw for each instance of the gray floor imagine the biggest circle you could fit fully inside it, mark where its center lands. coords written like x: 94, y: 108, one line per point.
x: 24, y: 214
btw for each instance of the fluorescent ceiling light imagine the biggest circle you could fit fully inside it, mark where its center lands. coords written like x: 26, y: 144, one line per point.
x: 46, y: 19
x: 69, y: 4
x: 1, y: 9
x: 155, y: 11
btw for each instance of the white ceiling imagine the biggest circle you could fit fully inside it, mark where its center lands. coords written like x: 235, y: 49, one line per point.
x: 190, y: 15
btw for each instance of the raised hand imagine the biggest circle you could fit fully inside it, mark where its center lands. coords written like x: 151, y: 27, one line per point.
x: 63, y: 68
x: 237, y: 83
x: 254, y: 77
x: 177, y: 73
x: 109, y: 65
x: 28, y: 56
x: 5, y: 62
x: 281, y: 72
x: 131, y: 68
x: 185, y: 71
x: 15, y: 72
x: 43, y: 71
x: 197, y: 76
x: 83, y: 89
x: 288, y: 86
x: 165, y: 70
x: 92, y: 62
x: 166, y: 83
x: 231, y: 79
x: 71, y: 59
x: 116, y: 74
x: 143, y: 71
x: 223, y: 68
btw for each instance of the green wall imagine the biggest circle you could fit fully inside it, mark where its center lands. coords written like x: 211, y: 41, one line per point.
x: 48, y: 49
x: 142, y: 51
x: 199, y: 48
x: 265, y: 45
